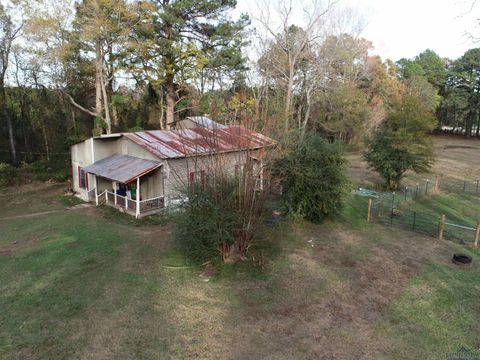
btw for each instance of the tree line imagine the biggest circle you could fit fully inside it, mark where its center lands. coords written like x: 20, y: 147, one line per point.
x: 73, y: 69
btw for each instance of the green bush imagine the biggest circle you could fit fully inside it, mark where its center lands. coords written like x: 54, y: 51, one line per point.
x: 206, y: 222
x: 43, y: 170
x: 221, y: 218
x: 313, y: 173
x: 8, y: 174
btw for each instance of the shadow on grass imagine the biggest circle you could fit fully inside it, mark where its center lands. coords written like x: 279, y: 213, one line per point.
x: 270, y: 244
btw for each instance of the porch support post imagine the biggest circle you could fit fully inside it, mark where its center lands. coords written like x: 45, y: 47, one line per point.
x: 115, y: 191
x: 96, y: 191
x: 137, y: 212
x: 261, y: 176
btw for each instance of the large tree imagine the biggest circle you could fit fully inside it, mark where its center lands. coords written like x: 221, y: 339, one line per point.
x: 402, y: 141
x: 183, y: 38
x: 464, y: 81
x: 103, y: 28
x: 9, y: 31
x: 427, y: 64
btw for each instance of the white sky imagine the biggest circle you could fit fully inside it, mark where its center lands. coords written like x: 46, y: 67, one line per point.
x: 407, y: 27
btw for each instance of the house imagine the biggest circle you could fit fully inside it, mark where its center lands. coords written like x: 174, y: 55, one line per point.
x: 142, y: 172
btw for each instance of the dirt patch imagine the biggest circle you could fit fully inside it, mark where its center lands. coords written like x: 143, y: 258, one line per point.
x: 360, y: 280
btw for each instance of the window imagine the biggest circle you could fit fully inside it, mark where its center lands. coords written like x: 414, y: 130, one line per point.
x: 82, y: 178
x: 196, y: 177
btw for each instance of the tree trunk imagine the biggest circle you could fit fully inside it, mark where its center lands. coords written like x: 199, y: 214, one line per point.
x: 98, y: 86
x: 74, y: 119
x: 307, y: 113
x: 108, y: 120
x: 115, y: 118
x: 170, y: 90
x: 45, y: 139
x: 477, y: 131
x: 288, y: 99
x: 11, y: 137
x: 469, y: 124
x: 6, y: 116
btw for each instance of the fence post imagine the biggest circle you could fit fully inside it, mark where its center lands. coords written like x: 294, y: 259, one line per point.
x: 416, y: 192
x: 437, y: 183
x: 464, y: 185
x: 477, y: 234
x: 478, y: 183
x: 414, y: 220
x: 441, y: 227
x: 369, y: 214
x: 391, y: 210
x: 406, y: 192
x: 426, y: 187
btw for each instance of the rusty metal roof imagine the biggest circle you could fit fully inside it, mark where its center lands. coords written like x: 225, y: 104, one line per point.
x: 206, y: 122
x: 122, y: 168
x: 170, y: 144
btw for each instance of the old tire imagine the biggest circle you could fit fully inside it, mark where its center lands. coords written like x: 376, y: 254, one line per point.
x: 461, y: 259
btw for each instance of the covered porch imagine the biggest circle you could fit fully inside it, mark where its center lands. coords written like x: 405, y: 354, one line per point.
x: 131, y: 184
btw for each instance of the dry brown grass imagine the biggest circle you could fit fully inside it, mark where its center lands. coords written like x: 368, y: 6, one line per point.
x: 325, y: 304
x: 456, y: 158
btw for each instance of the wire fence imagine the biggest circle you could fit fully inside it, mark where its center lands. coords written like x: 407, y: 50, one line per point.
x: 469, y: 187
x: 425, y: 188
x: 436, y: 225
x: 404, y: 194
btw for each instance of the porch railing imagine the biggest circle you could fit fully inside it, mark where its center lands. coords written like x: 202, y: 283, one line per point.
x: 91, y: 195
x: 102, y: 198
x: 130, y: 205
x: 152, y: 204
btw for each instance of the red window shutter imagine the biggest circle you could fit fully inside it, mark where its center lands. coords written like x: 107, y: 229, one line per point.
x: 191, y: 178
x: 86, y: 181
x: 202, y: 177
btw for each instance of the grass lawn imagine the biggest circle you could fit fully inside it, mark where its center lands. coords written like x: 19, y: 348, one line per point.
x: 458, y: 208
x: 89, y: 283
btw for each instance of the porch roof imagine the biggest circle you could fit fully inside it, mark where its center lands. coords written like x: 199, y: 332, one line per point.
x: 122, y: 168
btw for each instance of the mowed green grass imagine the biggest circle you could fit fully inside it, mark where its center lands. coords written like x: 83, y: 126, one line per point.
x: 91, y: 283
x: 437, y: 313
x: 458, y: 208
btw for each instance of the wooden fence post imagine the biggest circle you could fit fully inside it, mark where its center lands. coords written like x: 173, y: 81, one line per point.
x: 477, y: 234
x: 441, y: 227
x: 437, y: 183
x: 369, y: 215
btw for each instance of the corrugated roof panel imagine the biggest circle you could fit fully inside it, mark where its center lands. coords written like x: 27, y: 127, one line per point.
x: 122, y: 168
x: 198, y: 141
x: 206, y: 122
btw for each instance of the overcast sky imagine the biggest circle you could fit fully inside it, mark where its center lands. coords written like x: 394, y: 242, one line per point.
x: 406, y: 28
